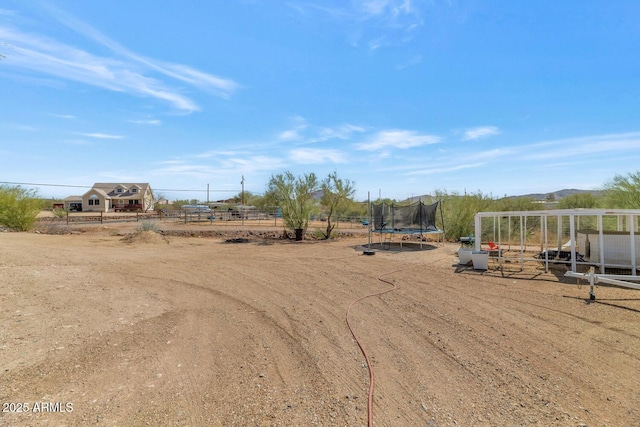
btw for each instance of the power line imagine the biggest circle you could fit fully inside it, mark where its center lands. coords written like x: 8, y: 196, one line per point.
x: 90, y: 186
x: 45, y: 185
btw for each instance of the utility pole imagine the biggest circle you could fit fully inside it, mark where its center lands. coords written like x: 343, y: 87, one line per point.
x: 207, y: 194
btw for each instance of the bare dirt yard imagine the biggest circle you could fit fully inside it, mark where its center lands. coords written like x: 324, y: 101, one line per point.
x: 108, y: 327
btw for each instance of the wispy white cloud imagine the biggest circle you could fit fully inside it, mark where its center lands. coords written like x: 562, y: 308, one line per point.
x: 125, y: 72
x: 446, y: 169
x: 253, y: 163
x: 584, y: 146
x: 372, y: 23
x: 153, y: 122
x: 295, y: 132
x: 400, y: 139
x: 182, y: 168
x: 341, y: 132
x: 16, y: 126
x: 99, y: 135
x: 317, y: 156
x: 390, y: 9
x: 479, y: 132
x: 304, y: 132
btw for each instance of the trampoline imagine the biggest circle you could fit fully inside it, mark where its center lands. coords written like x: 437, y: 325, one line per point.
x: 414, y: 219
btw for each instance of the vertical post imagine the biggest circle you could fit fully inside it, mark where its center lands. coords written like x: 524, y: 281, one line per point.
x: 632, y: 235
x: 101, y: 217
x: 242, y: 200
x: 369, y: 215
x: 546, y: 243
x: 600, y: 243
x: 559, y: 233
x: 523, y: 240
x: 207, y: 194
x: 478, y: 231
x: 500, y: 242
x: 572, y: 232
x: 67, y: 217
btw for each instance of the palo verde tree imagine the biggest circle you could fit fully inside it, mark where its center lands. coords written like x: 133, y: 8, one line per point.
x: 19, y: 207
x: 336, y: 193
x: 294, y: 196
x: 623, y: 192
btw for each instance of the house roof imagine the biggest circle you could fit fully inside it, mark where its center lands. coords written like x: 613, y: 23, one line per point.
x: 99, y: 191
x: 110, y: 189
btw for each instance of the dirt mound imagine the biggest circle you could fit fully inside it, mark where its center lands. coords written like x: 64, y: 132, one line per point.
x: 145, y: 237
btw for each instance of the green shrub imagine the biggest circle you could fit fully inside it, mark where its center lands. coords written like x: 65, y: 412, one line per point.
x: 148, y: 225
x: 19, y: 207
x: 459, y: 213
x: 60, y: 213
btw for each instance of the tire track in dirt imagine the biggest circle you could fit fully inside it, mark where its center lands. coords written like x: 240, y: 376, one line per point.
x: 518, y: 314
x: 446, y: 347
x: 273, y: 336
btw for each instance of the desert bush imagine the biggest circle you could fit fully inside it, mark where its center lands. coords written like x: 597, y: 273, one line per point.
x: 623, y: 191
x: 19, y: 207
x: 459, y: 212
x: 580, y: 200
x: 148, y: 225
x: 60, y: 213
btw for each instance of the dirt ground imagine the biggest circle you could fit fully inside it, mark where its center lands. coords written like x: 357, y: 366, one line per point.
x: 107, y: 327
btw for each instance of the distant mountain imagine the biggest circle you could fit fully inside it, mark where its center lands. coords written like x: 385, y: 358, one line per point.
x: 557, y: 195
x: 554, y: 196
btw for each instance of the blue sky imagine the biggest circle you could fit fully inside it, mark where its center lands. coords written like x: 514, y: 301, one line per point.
x: 404, y: 97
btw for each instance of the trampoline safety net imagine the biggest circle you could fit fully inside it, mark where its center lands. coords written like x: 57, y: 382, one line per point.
x: 416, y: 217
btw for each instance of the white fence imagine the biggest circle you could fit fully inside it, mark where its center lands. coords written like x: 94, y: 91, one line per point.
x: 608, y: 240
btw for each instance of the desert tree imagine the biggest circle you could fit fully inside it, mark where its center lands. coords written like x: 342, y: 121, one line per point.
x: 623, y: 191
x: 294, y: 196
x: 19, y: 207
x: 336, y: 193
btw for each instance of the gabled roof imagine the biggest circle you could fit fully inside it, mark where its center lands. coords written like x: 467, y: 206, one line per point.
x: 99, y: 191
x: 110, y: 188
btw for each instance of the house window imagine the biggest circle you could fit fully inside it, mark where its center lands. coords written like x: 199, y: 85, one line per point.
x: 134, y: 190
x: 94, y: 202
x: 119, y: 190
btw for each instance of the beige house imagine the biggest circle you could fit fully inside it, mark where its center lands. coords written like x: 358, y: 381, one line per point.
x: 119, y: 197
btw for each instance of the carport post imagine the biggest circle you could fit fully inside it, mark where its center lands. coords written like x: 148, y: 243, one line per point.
x: 572, y: 232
